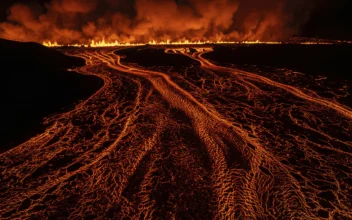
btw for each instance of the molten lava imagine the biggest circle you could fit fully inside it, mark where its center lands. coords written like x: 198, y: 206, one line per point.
x: 204, y: 141
x: 103, y: 43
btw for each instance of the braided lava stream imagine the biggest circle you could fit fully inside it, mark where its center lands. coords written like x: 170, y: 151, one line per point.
x: 207, y: 142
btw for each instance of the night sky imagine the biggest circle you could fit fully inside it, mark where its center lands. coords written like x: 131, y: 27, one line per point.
x: 329, y: 19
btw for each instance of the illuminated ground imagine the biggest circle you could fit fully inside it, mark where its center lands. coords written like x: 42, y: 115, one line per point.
x: 199, y: 141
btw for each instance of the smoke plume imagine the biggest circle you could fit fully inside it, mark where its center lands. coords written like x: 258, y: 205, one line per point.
x: 79, y: 21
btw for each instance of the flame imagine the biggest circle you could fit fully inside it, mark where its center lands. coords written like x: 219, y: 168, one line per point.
x: 111, y: 44
x: 55, y: 44
x: 103, y: 43
x: 50, y: 44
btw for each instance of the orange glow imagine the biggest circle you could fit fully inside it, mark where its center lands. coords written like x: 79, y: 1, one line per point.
x: 103, y: 43
x: 50, y: 44
x: 111, y: 44
x: 258, y: 144
x: 309, y: 43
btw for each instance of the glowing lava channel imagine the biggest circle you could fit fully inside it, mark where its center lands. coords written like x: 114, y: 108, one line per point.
x: 205, y: 142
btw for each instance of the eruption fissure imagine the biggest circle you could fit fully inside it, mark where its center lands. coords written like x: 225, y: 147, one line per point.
x: 186, y: 42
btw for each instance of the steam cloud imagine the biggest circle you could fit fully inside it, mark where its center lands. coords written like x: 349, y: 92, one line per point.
x: 79, y: 21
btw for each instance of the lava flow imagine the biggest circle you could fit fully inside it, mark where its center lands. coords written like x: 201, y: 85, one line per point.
x: 201, y: 142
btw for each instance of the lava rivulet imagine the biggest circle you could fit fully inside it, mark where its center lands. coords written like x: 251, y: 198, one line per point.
x: 204, y: 142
